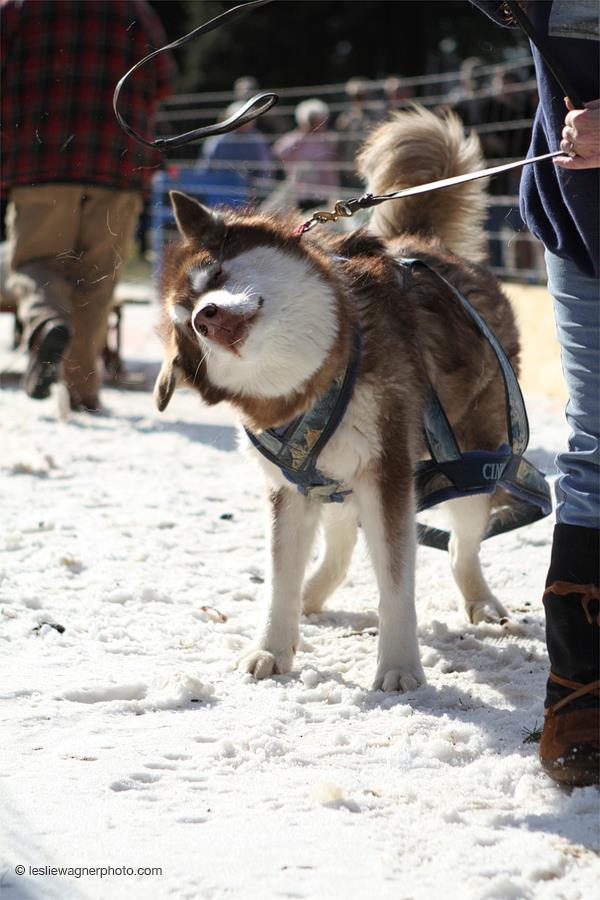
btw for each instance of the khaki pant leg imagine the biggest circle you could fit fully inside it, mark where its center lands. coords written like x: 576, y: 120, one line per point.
x: 107, y: 225
x: 42, y: 225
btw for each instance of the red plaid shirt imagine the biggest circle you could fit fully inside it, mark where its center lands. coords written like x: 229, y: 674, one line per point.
x: 61, y: 61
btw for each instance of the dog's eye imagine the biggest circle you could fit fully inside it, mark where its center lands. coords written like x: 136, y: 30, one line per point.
x: 217, y: 277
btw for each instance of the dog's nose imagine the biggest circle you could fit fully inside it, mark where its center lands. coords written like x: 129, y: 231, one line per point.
x: 222, y: 324
x: 210, y: 311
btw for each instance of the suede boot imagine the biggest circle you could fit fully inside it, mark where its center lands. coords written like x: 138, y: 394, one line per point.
x: 570, y: 744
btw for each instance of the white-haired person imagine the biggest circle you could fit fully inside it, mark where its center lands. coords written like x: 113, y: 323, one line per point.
x: 310, y: 155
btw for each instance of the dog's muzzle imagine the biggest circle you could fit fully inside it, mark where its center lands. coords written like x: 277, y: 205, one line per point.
x: 222, y: 325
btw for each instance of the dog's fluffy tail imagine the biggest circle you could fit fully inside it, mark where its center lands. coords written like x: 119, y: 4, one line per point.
x: 416, y: 147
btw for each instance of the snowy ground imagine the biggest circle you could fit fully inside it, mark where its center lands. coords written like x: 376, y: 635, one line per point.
x: 129, y: 740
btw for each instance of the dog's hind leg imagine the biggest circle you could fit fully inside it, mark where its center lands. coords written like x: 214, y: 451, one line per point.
x: 339, y: 537
x: 468, y: 519
x: 293, y: 527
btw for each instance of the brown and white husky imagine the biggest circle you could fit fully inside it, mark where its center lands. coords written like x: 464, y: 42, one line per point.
x: 264, y: 319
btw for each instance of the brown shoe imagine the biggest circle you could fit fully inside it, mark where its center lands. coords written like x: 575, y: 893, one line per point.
x: 570, y: 744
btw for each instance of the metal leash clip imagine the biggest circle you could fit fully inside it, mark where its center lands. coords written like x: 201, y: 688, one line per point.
x: 343, y: 209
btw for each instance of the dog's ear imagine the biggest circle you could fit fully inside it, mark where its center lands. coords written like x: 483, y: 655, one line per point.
x: 169, y: 377
x: 194, y: 221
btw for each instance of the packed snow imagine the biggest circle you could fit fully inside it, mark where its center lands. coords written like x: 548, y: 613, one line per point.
x: 131, y: 580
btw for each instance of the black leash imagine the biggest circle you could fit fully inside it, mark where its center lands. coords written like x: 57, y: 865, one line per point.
x: 255, y: 107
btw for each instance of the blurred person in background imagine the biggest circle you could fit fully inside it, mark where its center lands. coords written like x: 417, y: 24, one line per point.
x: 244, y: 88
x: 246, y: 152
x: 512, y: 99
x: 352, y: 126
x: 506, y: 99
x: 465, y: 97
x: 309, y: 154
x: 247, y: 86
x: 560, y: 205
x: 396, y: 95
x: 74, y: 180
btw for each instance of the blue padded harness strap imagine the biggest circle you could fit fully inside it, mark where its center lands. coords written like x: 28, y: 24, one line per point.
x: 295, y: 447
x: 517, y: 424
x: 450, y: 473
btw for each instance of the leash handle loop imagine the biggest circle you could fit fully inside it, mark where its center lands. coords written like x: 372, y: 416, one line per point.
x: 256, y: 106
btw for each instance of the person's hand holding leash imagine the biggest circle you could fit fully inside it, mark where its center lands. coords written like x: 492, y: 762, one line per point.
x: 581, y: 137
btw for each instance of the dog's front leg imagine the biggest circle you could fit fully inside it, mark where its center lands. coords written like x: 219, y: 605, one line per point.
x: 387, y: 514
x: 294, y: 522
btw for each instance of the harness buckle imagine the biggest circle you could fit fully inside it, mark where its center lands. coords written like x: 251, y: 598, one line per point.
x: 329, y: 492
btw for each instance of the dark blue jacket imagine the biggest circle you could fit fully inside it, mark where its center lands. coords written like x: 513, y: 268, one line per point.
x: 560, y: 207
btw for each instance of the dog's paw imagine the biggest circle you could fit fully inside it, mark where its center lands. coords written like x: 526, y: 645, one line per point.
x: 486, y: 610
x: 405, y: 678
x: 263, y: 663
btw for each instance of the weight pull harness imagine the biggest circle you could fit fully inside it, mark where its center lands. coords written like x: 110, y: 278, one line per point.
x: 295, y: 447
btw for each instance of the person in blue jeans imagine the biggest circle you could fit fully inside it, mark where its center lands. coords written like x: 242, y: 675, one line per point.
x: 559, y: 203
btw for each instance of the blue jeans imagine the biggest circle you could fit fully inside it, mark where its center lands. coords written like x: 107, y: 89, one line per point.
x: 576, y: 300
